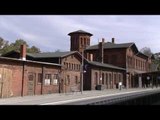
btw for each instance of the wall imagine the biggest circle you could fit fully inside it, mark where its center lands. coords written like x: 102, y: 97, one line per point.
x: 109, y: 80
x: 11, y: 78
x: 71, y: 69
x: 115, y: 57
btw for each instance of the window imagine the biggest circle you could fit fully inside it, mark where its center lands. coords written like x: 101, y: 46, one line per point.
x: 103, y: 78
x: 68, y: 80
x: 69, y: 66
x: 106, y: 79
x: 96, y: 78
x: 87, y: 41
x: 30, y: 77
x: 78, y: 67
x: 120, y: 78
x: 81, y: 41
x: 39, y: 78
x: 48, y: 79
x: 110, y: 79
x: 66, y: 65
x: 55, y: 79
x: 129, y: 59
x: 91, y: 57
x: 76, y: 80
x: 115, y: 78
x: 72, y: 67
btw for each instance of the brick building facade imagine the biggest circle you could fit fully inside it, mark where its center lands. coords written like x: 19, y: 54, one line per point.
x: 20, y: 78
x: 124, y: 55
x: 69, y: 72
x: 97, y: 71
x: 105, y: 64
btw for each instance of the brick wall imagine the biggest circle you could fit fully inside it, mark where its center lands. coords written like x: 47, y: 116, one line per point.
x: 71, y: 72
x: 11, y: 73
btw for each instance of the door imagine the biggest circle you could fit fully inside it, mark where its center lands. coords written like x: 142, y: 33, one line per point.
x: 31, y: 83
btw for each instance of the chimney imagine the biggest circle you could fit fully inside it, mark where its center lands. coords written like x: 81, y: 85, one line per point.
x: 100, y: 47
x: 91, y: 57
x: 113, y: 40
x: 23, y: 52
x: 103, y: 40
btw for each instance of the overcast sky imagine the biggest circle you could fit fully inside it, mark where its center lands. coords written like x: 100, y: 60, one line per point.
x: 49, y: 32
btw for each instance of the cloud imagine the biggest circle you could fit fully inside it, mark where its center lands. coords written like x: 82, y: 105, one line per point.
x: 49, y: 32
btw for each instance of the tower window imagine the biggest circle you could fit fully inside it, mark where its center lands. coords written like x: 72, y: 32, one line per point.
x: 85, y: 42
x: 81, y: 41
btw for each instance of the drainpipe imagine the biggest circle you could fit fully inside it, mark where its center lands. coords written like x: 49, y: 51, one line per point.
x: 23, y: 62
x: 23, y: 58
x: 42, y: 79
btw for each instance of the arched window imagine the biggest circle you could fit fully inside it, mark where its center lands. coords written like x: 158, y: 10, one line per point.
x: 110, y: 80
x: 81, y: 41
x: 103, y: 78
x: 69, y: 66
x: 106, y: 78
x: 85, y: 41
x: 96, y: 78
x: 120, y: 78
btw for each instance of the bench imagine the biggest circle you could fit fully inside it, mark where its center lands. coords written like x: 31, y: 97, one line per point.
x: 74, y: 89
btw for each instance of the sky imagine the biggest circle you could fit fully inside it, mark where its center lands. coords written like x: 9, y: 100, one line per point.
x: 50, y: 32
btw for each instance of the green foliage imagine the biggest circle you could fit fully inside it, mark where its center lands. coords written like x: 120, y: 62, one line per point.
x: 58, y: 50
x: 6, y: 47
x: 33, y: 49
x: 3, y: 45
x: 146, y: 51
x: 157, y: 62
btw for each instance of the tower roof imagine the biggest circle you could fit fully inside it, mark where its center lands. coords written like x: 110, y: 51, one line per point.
x: 80, y: 32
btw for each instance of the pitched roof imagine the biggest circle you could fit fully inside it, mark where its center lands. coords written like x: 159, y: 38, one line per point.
x: 105, y: 65
x: 29, y: 61
x: 80, y: 31
x: 51, y: 54
x: 109, y: 45
x: 140, y: 54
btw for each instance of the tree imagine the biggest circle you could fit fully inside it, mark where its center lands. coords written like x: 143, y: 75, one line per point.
x: 157, y: 60
x: 146, y: 51
x: 16, y: 45
x: 3, y: 45
x: 6, y: 47
x: 33, y: 49
x: 58, y: 50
